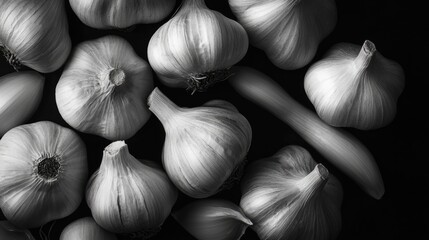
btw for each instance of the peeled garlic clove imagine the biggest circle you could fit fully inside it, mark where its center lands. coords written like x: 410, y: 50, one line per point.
x: 196, y: 47
x: 43, y: 171
x: 85, y: 229
x: 213, y: 220
x: 128, y: 196
x: 34, y: 34
x: 10, y: 232
x: 288, y: 31
x: 289, y: 196
x: 20, y: 95
x: 104, y: 14
x: 355, y: 86
x: 103, y: 89
x: 203, y: 145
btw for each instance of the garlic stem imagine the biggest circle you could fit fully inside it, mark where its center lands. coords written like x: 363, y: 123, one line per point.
x: 364, y: 57
x: 115, y: 156
x: 194, y: 4
x: 314, y: 181
x: 117, y: 76
x: 162, y: 106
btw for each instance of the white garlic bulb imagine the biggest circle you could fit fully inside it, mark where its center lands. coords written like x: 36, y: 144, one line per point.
x: 289, y: 196
x: 288, y: 31
x: 105, y: 14
x: 196, y: 47
x: 10, y: 232
x: 203, y: 145
x: 85, y: 229
x: 103, y: 89
x: 20, y: 95
x: 34, y: 34
x: 354, y: 86
x: 127, y: 195
x: 43, y: 171
x: 213, y: 219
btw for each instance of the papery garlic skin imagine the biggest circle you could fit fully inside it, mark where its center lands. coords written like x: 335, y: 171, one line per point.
x: 289, y: 196
x: 43, y: 171
x: 85, y: 229
x: 103, y: 89
x: 196, y: 47
x: 288, y: 31
x: 213, y: 219
x: 355, y: 86
x: 127, y: 195
x: 105, y: 14
x: 34, y: 34
x: 10, y: 232
x: 20, y: 95
x: 203, y: 145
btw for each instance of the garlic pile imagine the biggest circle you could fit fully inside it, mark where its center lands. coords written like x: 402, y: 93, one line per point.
x: 203, y: 145
x: 127, y: 195
x: 213, y: 219
x: 20, y: 95
x: 104, y: 14
x: 196, y: 47
x: 355, y: 86
x: 103, y: 89
x: 289, y: 31
x: 34, y: 34
x: 10, y: 232
x: 43, y: 171
x: 85, y: 229
x: 290, y: 196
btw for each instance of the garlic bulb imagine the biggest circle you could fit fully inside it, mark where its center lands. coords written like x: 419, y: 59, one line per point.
x: 43, y: 171
x: 127, y: 195
x: 34, y: 34
x: 355, y: 86
x: 196, y: 47
x: 213, y: 219
x: 288, y: 31
x: 20, y: 95
x: 103, y: 89
x: 289, y: 196
x: 105, y: 14
x: 10, y: 232
x: 203, y: 145
x: 85, y: 229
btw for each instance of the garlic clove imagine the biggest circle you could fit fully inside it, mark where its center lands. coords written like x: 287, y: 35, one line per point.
x: 20, y: 95
x: 213, y: 220
x: 85, y: 229
x: 203, y: 145
x: 10, y: 232
x: 43, y: 172
x: 103, y: 89
x: 355, y: 86
x: 129, y: 196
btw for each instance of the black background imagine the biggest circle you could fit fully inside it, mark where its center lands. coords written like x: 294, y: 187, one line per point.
x: 396, y: 28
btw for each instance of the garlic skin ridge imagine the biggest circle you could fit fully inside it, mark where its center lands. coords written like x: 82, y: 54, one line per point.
x: 288, y: 31
x: 355, y: 86
x: 107, y: 14
x: 34, y: 34
x: 43, y: 171
x: 196, y: 47
x: 85, y: 229
x: 20, y: 95
x: 103, y: 89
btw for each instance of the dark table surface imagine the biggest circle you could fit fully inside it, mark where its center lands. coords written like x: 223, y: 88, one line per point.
x: 396, y: 28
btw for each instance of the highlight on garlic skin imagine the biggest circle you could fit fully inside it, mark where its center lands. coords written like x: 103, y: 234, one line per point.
x: 103, y: 89
x: 355, y: 86
x: 85, y: 229
x: 106, y: 14
x: 196, y: 47
x: 20, y: 95
x: 10, y: 232
x: 290, y: 196
x: 126, y: 195
x: 213, y: 219
x: 43, y: 171
x: 34, y: 34
x: 288, y: 31
x: 203, y: 146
